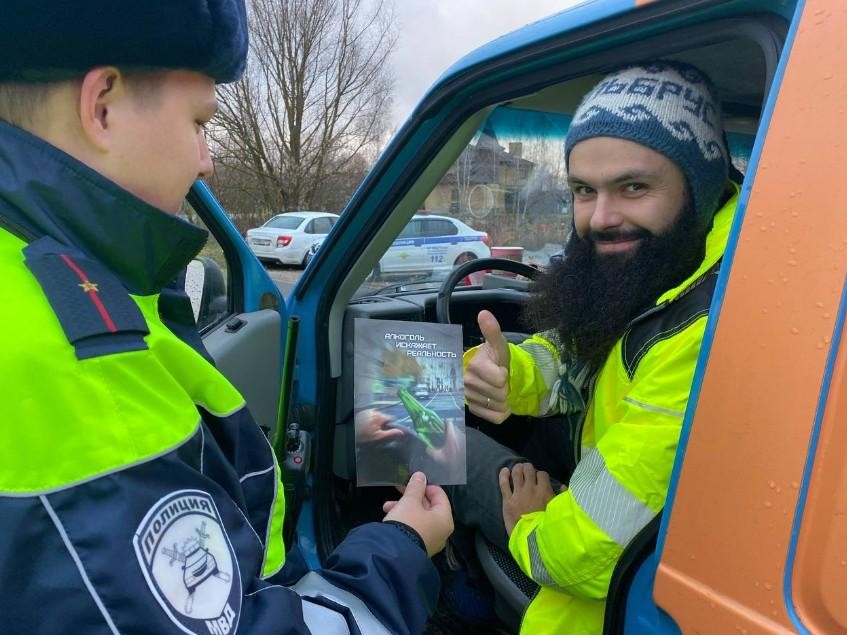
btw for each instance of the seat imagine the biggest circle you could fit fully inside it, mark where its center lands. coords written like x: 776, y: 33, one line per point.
x: 514, y: 590
x: 636, y: 552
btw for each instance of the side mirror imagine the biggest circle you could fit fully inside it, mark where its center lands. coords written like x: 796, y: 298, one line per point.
x: 205, y: 284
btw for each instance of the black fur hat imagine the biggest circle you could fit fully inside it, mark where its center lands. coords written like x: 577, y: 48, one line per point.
x: 48, y: 40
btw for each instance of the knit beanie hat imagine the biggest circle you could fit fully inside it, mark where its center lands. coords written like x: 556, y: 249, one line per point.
x: 669, y: 107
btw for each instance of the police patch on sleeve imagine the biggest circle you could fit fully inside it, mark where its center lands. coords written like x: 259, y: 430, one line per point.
x: 189, y: 563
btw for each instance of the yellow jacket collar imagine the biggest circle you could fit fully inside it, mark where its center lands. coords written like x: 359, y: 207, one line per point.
x: 715, y: 246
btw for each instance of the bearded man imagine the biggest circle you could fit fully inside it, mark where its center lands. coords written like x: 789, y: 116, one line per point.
x: 620, y: 323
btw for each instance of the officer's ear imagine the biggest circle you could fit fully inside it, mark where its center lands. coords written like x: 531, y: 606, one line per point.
x: 103, y: 94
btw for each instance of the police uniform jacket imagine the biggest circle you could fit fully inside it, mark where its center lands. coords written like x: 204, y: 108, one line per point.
x: 137, y: 494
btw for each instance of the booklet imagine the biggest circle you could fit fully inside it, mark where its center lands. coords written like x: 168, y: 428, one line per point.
x: 408, y: 402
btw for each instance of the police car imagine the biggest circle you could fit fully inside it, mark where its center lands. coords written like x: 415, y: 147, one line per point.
x: 429, y: 243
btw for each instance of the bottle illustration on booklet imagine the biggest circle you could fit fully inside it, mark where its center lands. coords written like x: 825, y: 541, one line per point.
x: 409, y: 402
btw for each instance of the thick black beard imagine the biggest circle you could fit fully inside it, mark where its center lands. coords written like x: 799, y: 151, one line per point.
x: 589, y: 299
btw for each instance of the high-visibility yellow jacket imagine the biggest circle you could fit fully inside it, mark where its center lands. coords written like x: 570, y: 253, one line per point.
x: 629, y: 439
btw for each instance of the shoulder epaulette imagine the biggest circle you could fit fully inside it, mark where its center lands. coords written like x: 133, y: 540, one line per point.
x: 95, y: 310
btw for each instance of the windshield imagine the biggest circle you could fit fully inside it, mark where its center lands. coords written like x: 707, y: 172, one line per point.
x: 504, y: 196
x: 284, y: 222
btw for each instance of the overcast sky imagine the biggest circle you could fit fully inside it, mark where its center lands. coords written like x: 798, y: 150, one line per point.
x: 435, y: 33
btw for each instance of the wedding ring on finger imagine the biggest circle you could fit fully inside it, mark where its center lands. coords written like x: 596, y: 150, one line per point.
x: 488, y: 403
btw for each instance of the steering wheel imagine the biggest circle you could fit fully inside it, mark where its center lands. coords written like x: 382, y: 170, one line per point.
x: 442, y: 302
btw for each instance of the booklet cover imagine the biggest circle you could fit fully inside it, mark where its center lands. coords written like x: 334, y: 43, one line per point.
x: 408, y: 402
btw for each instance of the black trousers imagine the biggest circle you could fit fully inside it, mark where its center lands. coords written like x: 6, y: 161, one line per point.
x: 548, y: 445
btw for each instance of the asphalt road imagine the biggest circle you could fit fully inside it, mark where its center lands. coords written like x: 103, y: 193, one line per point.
x: 285, y: 277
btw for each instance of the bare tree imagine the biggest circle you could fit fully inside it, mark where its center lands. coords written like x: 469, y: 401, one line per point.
x: 312, y: 104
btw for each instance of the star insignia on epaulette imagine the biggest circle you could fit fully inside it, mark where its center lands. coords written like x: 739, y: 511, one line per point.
x: 88, y: 286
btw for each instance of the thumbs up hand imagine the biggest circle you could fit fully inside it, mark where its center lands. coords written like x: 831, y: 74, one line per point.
x: 487, y: 374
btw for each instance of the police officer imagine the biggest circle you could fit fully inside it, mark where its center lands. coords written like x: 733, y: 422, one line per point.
x: 137, y: 494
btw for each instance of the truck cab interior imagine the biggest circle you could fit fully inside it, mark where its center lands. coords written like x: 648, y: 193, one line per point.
x: 484, y: 146
x: 523, y: 118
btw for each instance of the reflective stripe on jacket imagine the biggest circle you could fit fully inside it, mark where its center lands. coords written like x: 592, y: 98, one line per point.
x: 629, y: 439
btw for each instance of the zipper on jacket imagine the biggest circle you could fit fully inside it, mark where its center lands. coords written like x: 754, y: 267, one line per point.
x: 577, y: 439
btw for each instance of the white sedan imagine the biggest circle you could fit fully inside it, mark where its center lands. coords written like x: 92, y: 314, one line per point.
x: 286, y: 237
x: 429, y: 243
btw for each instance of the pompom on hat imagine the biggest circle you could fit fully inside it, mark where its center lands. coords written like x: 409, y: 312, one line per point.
x: 50, y: 40
x: 668, y: 107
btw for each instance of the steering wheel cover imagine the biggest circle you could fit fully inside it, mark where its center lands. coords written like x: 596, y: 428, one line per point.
x: 442, y: 299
